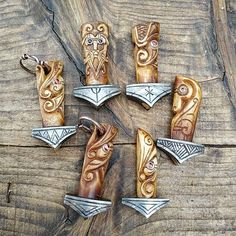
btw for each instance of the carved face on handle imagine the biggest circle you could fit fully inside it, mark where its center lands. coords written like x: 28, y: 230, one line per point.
x: 186, y: 104
x: 50, y: 86
x: 95, y: 43
x: 146, y: 165
x: 97, y: 155
x: 146, y: 36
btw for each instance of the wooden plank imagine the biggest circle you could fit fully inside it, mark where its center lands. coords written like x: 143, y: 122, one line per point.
x: 202, y: 190
x: 183, y: 50
x: 226, y: 46
x: 200, y: 193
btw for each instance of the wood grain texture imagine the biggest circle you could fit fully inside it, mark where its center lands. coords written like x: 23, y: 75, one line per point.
x: 202, y: 190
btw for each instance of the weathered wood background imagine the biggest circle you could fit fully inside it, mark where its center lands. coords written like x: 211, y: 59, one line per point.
x: 198, y: 39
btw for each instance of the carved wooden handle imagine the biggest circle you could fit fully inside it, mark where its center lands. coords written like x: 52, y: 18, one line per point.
x: 146, y: 165
x: 186, y: 104
x: 98, y: 152
x: 145, y: 37
x: 95, y: 44
x: 50, y: 86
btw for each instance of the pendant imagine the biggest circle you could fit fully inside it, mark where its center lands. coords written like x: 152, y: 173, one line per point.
x: 50, y: 86
x: 147, y: 202
x: 186, y: 104
x: 86, y: 202
x: 147, y: 91
x: 95, y: 43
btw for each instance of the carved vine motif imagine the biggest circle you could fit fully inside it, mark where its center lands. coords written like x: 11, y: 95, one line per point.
x: 145, y: 37
x: 146, y: 165
x: 186, y: 104
x: 98, y: 152
x: 95, y: 43
x: 51, y: 93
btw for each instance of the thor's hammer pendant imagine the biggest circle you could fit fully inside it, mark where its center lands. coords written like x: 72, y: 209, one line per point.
x: 98, y: 152
x: 146, y: 203
x: 147, y: 90
x: 186, y: 104
x: 95, y: 43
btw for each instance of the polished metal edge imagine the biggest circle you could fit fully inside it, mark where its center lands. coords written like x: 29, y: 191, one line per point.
x: 179, y: 150
x: 149, y: 93
x: 97, y: 94
x: 145, y: 206
x: 86, y: 207
x: 54, y: 136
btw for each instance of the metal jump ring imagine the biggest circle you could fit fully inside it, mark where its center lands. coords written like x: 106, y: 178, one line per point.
x: 32, y: 58
x: 88, y: 129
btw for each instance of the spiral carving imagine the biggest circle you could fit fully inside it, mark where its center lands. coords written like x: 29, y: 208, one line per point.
x: 146, y: 165
x: 51, y: 93
x: 145, y: 38
x: 97, y: 155
x: 186, y: 104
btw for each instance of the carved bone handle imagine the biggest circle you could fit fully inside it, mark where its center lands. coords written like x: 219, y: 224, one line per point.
x: 186, y: 104
x: 50, y: 86
x: 95, y: 44
x: 145, y: 37
x: 146, y: 165
x: 97, y: 155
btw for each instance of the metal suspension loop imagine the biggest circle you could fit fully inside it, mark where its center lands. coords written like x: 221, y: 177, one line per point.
x: 88, y: 129
x: 32, y: 58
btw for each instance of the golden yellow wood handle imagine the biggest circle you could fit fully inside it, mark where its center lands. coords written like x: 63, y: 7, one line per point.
x: 50, y: 86
x: 95, y: 44
x: 146, y: 165
x: 145, y: 37
x: 186, y: 104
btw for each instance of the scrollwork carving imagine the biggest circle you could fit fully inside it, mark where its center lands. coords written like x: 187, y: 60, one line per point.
x: 146, y: 165
x: 95, y: 44
x: 186, y: 104
x: 146, y: 36
x: 50, y: 86
x: 98, y: 152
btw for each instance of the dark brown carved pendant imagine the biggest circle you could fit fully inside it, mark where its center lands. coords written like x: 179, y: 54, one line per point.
x: 148, y: 91
x: 50, y: 85
x: 147, y: 202
x: 95, y: 44
x: 97, y: 155
x: 186, y: 104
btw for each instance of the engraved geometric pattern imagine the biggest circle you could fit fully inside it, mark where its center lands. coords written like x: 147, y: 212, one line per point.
x: 97, y: 94
x: 146, y: 206
x: 149, y: 93
x: 86, y: 207
x: 180, y: 150
x: 54, y: 136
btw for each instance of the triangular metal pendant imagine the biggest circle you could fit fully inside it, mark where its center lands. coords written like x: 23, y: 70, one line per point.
x: 179, y: 150
x: 54, y: 136
x: 149, y: 93
x: 86, y: 207
x: 97, y: 94
x: 146, y: 206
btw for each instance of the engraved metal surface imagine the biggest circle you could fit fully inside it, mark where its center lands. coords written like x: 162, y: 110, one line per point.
x: 179, y: 150
x: 146, y: 206
x: 97, y: 94
x: 148, y: 93
x: 54, y: 136
x: 86, y: 207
